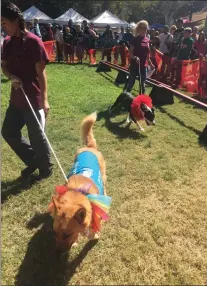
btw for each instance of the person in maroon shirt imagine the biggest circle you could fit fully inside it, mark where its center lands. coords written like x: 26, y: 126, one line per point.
x: 23, y: 62
x: 139, y: 55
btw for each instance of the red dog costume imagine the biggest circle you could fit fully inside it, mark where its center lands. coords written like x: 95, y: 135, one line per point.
x: 136, y: 106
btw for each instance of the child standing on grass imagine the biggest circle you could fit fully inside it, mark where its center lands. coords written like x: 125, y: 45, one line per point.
x: 68, y: 45
x: 79, y: 44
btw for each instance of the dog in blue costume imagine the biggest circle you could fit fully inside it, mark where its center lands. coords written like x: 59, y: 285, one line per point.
x: 80, y: 205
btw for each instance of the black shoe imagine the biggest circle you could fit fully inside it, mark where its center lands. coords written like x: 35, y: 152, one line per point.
x: 28, y: 171
x: 44, y: 174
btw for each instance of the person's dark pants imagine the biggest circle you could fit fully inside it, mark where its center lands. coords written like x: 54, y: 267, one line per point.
x: 176, y: 73
x: 106, y: 53
x: 134, y: 72
x: 59, y: 48
x: 36, y: 152
x: 166, y: 65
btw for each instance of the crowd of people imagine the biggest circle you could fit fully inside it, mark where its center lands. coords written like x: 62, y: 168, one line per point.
x: 24, y: 59
x: 72, y: 39
x: 176, y: 43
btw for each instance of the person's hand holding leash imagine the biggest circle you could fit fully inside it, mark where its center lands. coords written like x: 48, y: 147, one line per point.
x: 151, y: 64
x: 16, y: 81
x: 137, y: 60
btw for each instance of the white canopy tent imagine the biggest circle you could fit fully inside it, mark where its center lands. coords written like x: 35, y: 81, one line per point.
x: 33, y: 12
x: 132, y: 25
x: 70, y: 14
x: 107, y: 18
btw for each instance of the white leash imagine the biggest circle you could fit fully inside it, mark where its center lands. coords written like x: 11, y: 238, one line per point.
x: 44, y: 134
x: 140, y: 81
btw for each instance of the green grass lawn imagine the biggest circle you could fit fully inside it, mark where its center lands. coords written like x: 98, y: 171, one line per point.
x: 157, y: 229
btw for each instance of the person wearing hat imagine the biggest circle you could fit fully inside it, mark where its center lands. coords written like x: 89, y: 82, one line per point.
x: 186, y: 45
x: 184, y: 52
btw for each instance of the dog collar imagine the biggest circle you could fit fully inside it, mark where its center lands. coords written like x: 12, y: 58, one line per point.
x: 100, y: 204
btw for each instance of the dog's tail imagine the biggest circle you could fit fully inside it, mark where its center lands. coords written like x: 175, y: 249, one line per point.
x: 87, y: 131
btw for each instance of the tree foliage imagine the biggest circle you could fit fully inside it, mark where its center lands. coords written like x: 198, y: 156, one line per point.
x: 132, y: 11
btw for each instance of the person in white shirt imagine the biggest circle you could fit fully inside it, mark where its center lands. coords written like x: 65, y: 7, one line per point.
x: 59, y: 43
x: 166, y: 40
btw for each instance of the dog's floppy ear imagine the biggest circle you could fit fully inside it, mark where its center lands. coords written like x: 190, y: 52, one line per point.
x: 80, y: 215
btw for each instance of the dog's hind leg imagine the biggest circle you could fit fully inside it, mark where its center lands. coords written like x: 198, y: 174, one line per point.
x: 128, y: 120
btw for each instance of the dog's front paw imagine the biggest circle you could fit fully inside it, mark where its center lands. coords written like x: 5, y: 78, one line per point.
x: 94, y: 236
x: 141, y: 129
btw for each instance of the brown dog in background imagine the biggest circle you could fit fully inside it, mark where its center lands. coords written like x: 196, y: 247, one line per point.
x: 72, y: 212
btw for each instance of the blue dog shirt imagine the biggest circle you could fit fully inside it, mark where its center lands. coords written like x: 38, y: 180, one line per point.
x: 86, y: 164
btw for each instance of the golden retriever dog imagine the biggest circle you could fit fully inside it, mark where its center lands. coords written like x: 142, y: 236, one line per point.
x: 71, y: 208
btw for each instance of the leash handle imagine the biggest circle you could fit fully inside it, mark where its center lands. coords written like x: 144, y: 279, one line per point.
x: 44, y: 134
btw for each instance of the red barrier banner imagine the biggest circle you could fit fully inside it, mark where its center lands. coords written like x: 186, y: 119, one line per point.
x: 92, y: 55
x: 202, y: 81
x: 51, y: 50
x: 158, y: 56
x: 192, y: 73
x: 124, y: 55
